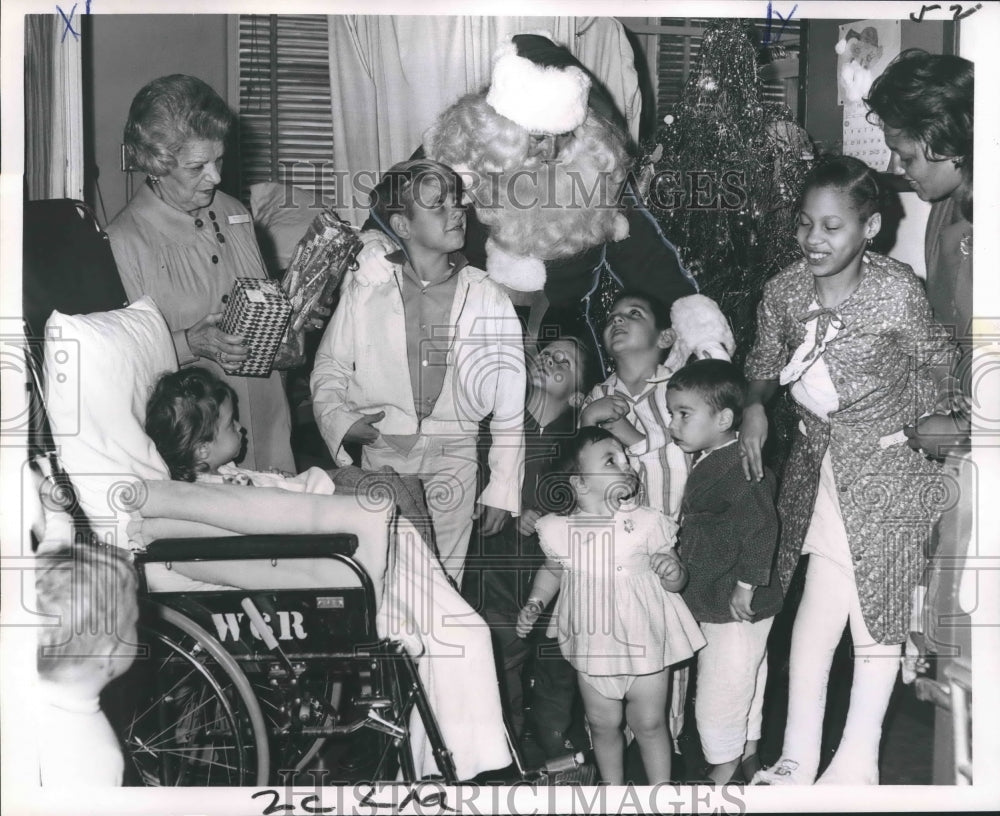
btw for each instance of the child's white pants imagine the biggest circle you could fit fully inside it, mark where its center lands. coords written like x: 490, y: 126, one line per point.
x: 732, y: 673
x: 829, y: 602
x: 447, y: 466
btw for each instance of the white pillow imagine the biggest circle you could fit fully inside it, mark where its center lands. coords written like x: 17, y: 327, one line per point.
x: 99, y: 371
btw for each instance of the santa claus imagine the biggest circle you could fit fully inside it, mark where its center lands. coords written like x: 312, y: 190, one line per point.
x: 543, y: 155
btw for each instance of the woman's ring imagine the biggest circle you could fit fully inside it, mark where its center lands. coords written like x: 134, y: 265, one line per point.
x: 220, y: 357
x: 743, y: 452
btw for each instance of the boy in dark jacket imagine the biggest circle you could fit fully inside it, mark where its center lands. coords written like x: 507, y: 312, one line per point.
x: 727, y: 540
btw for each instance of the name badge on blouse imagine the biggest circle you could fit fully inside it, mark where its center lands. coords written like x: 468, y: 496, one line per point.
x: 244, y: 218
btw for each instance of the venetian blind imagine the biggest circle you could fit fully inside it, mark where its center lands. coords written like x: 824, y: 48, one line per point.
x: 680, y: 44
x: 285, y: 115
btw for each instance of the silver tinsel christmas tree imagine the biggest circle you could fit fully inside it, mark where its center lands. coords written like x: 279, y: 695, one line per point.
x: 723, y: 176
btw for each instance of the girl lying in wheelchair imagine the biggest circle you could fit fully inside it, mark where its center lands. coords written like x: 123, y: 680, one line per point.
x: 193, y: 419
x: 97, y: 410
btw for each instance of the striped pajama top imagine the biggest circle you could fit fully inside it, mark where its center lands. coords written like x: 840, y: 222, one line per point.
x: 661, y: 465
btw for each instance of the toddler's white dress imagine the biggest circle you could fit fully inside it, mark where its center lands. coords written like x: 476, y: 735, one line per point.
x: 613, y: 618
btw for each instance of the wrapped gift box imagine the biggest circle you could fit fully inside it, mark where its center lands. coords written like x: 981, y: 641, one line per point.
x: 259, y: 310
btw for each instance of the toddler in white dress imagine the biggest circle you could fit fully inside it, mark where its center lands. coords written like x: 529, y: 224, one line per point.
x: 619, y: 618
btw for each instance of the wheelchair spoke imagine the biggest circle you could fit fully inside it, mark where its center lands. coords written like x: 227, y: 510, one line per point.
x: 188, y: 725
x: 167, y: 692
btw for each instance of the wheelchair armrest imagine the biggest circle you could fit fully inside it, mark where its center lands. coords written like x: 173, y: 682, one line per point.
x: 232, y: 548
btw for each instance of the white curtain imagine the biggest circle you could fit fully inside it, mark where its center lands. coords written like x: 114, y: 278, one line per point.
x: 390, y: 76
x: 53, y: 91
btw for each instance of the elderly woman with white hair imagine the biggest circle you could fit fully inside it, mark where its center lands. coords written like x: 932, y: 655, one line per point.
x: 183, y: 242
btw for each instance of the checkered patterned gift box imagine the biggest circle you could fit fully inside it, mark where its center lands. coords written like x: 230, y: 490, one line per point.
x: 259, y: 310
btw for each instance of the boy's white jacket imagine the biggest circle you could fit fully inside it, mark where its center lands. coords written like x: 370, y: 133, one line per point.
x: 361, y: 368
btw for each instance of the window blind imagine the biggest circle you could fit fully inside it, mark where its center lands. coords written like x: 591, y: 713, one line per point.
x: 680, y: 44
x: 286, y: 130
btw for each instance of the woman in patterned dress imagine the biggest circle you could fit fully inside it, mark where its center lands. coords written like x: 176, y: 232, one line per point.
x: 851, y: 333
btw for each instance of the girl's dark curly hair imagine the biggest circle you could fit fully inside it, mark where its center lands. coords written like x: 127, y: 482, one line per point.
x: 850, y: 175
x: 183, y: 413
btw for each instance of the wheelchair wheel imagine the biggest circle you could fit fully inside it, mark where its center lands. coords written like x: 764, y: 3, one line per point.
x: 190, y: 718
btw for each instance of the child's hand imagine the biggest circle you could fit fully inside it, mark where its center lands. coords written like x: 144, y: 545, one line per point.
x: 491, y: 519
x: 527, y: 617
x: 669, y: 570
x: 527, y: 520
x: 914, y: 661
x: 605, y: 410
x: 364, y: 430
x: 740, y: 602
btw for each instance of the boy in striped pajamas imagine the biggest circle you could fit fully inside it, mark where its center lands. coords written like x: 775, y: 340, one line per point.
x: 632, y: 402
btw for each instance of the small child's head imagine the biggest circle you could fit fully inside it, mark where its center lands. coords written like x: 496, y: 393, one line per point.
x: 419, y: 202
x: 192, y: 418
x: 597, y: 469
x: 89, y: 592
x: 839, y: 214
x: 563, y: 371
x: 638, y: 324
x: 706, y: 400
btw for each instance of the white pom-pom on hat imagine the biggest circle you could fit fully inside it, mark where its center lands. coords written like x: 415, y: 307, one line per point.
x: 541, y: 99
x: 701, y: 330
x: 841, y: 46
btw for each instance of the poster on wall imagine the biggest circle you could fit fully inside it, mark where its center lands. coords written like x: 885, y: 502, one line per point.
x: 864, y: 49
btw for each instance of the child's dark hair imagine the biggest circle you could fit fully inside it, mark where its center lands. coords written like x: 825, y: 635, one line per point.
x: 659, y: 309
x: 89, y: 594
x: 851, y: 176
x: 182, y: 413
x: 398, y: 191
x: 555, y: 493
x: 720, y: 383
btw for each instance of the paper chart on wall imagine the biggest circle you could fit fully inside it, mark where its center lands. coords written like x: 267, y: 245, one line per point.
x: 864, y: 49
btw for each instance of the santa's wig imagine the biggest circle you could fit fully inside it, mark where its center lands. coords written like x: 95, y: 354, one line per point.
x: 535, y: 207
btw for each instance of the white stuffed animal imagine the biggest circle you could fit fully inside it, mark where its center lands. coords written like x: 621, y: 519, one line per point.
x: 702, y: 330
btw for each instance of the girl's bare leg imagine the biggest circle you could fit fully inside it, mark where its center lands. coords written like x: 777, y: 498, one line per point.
x: 646, y: 713
x: 605, y: 718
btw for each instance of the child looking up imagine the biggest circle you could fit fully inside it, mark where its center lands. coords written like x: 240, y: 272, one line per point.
x: 423, y: 346
x: 617, y: 626
x: 88, y: 593
x: 851, y: 333
x: 632, y: 402
x: 727, y: 541
x: 558, y: 378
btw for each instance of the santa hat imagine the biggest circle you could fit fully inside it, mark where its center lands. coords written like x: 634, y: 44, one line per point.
x: 540, y: 98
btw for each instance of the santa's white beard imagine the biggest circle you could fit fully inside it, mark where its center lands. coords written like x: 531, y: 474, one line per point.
x: 556, y: 209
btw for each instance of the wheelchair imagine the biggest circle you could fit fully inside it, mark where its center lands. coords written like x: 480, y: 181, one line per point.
x: 247, y: 687
x: 231, y: 687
